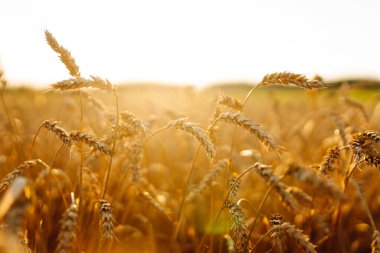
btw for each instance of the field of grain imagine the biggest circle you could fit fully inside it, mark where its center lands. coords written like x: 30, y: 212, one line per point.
x: 89, y: 166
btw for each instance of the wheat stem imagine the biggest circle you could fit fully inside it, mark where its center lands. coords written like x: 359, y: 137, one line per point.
x: 113, y: 145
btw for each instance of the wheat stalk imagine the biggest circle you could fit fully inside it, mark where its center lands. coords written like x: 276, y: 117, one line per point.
x: 64, y: 54
x: 196, y: 132
x: 288, y: 78
x: 254, y: 128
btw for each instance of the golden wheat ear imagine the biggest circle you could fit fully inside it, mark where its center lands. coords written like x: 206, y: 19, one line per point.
x: 197, y: 133
x: 67, y: 237
x: 279, y: 228
x: 288, y: 78
x: 64, y: 54
x: 239, y: 120
x: 107, y: 220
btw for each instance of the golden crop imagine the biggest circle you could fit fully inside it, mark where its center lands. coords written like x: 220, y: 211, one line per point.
x: 92, y: 167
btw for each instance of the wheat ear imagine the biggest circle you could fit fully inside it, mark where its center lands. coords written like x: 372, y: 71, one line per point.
x: 375, y: 245
x: 315, y: 181
x: 67, y: 235
x: 278, y: 227
x: 5, y: 182
x: 207, y: 180
x: 239, y: 228
x: 107, y: 220
x: 60, y: 132
x: 266, y: 173
x: 228, y: 101
x: 137, y: 124
x: 81, y: 82
x: 361, y: 146
x: 196, y: 132
x: 328, y: 160
x: 64, y: 54
x: 288, y: 78
x: 135, y: 161
x: 91, y: 141
x: 252, y: 127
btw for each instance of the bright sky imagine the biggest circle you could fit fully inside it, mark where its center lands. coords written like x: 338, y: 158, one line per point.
x: 190, y: 42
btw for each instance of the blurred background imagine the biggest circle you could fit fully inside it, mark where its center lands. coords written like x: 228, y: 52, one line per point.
x: 190, y: 42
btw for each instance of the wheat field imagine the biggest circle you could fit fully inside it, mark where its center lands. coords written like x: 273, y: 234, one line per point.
x: 289, y: 164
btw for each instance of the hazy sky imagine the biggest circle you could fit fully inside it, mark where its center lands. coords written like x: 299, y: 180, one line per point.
x: 190, y: 42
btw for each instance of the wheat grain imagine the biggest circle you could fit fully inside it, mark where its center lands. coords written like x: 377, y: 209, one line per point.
x: 207, y: 180
x: 375, y: 245
x: 91, y: 141
x: 136, y: 124
x: 362, y: 145
x: 299, y: 194
x: 8, y: 179
x: 287, y: 78
x: 196, y: 132
x: 135, y: 161
x: 239, y: 228
x: 60, y: 132
x: 228, y: 101
x: 314, y: 180
x: 234, y: 186
x: 296, y: 234
x: 107, y: 220
x: 254, y: 128
x: 64, y: 54
x: 266, y: 173
x: 80, y: 82
x: 67, y: 237
x: 328, y: 160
